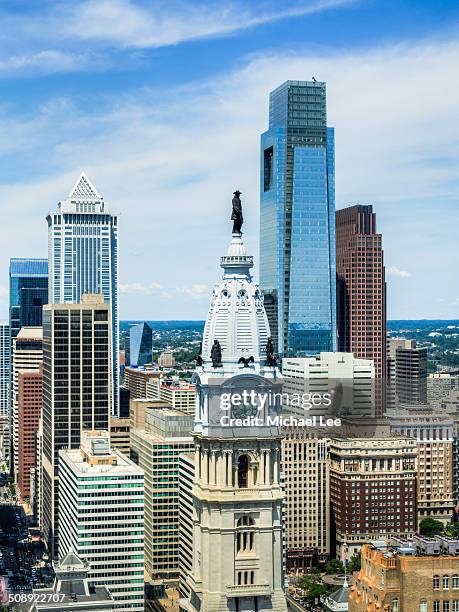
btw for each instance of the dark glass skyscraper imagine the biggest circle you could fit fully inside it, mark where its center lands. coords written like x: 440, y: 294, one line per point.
x: 140, y: 345
x: 76, y: 389
x: 297, y: 220
x: 28, y: 293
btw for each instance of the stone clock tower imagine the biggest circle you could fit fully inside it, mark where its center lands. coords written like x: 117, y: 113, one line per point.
x: 237, y: 522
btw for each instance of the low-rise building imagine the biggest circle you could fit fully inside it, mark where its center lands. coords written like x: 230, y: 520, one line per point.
x: 72, y: 590
x: 406, y: 579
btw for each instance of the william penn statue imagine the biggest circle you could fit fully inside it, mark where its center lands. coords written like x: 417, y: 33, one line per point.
x: 236, y: 215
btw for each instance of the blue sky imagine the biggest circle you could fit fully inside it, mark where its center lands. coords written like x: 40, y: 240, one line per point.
x: 162, y: 104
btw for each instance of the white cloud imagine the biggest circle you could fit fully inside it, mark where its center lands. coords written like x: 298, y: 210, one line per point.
x: 196, y: 291
x: 158, y: 24
x: 394, y: 271
x: 139, y: 288
x: 48, y: 61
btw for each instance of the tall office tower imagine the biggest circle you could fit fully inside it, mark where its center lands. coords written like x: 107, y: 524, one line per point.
x: 434, y: 436
x: 27, y: 356
x: 304, y: 466
x: 5, y: 361
x: 156, y: 449
x: 410, y: 371
x: 140, y: 345
x: 372, y: 489
x: 5, y: 354
x: 30, y: 400
x: 76, y: 388
x: 186, y: 478
x: 28, y: 279
x: 297, y: 220
x: 136, y: 379
x: 361, y: 286
x: 28, y: 293
x: 237, y: 496
x: 83, y: 256
x: 101, y: 519
x: 329, y: 372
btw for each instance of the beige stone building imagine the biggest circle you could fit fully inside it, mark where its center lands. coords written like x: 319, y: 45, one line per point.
x: 305, y: 473
x: 433, y: 433
x: 166, y: 359
x: 156, y: 447
x: 391, y: 581
x: 136, y: 379
x: 119, y: 434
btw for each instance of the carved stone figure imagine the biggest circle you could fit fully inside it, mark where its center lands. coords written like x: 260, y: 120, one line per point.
x: 271, y: 359
x: 236, y: 215
x: 216, y: 354
x: 198, y: 357
x: 246, y: 361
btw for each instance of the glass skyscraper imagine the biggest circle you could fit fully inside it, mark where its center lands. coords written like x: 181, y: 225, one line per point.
x: 140, y: 345
x: 28, y: 293
x: 83, y: 256
x: 297, y: 220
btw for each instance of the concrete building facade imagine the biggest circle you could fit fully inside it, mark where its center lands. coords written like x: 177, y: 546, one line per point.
x: 156, y: 448
x: 101, y: 517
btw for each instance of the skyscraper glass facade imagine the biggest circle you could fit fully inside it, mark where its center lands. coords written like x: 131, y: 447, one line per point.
x: 297, y: 220
x: 83, y: 256
x: 28, y: 293
x: 140, y: 345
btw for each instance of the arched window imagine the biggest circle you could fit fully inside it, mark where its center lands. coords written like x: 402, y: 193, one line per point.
x: 455, y: 581
x: 243, y: 471
x: 436, y: 582
x: 395, y: 605
x: 423, y: 605
x: 245, y: 538
x: 445, y: 582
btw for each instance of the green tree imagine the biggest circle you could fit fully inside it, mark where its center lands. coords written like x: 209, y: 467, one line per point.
x: 355, y: 563
x: 334, y: 567
x: 452, y: 530
x: 313, y: 586
x: 430, y: 527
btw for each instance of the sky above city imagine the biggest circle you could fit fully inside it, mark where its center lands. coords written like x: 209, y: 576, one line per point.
x: 162, y: 104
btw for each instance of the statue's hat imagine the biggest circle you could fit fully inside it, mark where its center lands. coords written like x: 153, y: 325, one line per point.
x: 237, y: 192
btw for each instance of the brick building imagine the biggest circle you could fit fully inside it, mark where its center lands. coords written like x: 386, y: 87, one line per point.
x: 30, y: 398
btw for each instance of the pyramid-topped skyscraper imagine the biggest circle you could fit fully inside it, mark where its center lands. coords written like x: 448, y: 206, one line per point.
x: 83, y: 256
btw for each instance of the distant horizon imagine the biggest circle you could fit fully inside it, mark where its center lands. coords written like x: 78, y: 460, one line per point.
x: 203, y: 320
